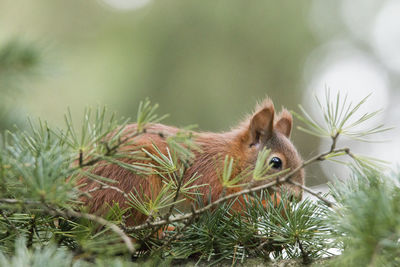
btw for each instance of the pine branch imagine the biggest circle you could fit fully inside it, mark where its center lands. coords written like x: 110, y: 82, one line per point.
x: 68, y: 213
x: 171, y: 209
x: 29, y: 172
x: 284, y: 179
x: 3, y: 214
x: 179, y: 231
x: 31, y: 231
x: 312, y: 192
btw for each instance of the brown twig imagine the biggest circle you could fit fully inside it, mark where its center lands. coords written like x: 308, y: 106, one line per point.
x: 263, y: 244
x: 4, y: 215
x: 109, y: 150
x: 334, y: 141
x: 219, y: 201
x: 68, y: 213
x: 318, y: 195
x: 71, y: 213
x: 178, y: 232
x: 304, y: 254
x: 31, y: 231
x: 167, y: 216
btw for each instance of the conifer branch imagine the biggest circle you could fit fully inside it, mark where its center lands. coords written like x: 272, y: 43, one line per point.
x: 68, y: 213
x: 32, y: 166
x: 312, y: 192
x: 284, y: 179
x: 5, y: 216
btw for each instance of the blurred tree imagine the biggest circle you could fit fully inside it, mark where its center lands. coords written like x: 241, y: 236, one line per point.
x: 208, y: 62
x: 204, y: 62
x: 19, y: 62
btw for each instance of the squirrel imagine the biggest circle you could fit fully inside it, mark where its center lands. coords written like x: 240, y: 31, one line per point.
x: 262, y: 129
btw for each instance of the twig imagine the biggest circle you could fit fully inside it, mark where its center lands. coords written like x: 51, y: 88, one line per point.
x: 109, y: 150
x: 113, y: 149
x: 234, y: 256
x: 263, y: 244
x: 178, y: 231
x: 305, y: 188
x: 283, y: 179
x: 80, y: 157
x: 71, y: 213
x: 31, y: 231
x: 3, y: 214
x: 334, y: 141
x: 68, y: 213
x: 304, y: 254
x: 171, y: 209
x: 21, y: 202
x: 178, y: 191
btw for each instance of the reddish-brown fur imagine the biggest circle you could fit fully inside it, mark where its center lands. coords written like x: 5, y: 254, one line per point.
x: 242, y: 143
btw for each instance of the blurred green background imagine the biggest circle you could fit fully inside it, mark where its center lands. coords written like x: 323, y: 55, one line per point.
x: 204, y: 62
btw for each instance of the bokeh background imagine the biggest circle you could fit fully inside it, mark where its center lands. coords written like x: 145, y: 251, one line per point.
x: 205, y: 62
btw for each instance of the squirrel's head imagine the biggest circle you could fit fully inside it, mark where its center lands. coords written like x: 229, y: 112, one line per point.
x: 264, y: 128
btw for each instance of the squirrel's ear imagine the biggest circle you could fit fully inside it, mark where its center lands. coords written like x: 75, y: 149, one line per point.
x: 284, y: 123
x: 262, y: 123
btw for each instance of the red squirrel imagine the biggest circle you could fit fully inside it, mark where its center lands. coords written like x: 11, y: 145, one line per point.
x: 262, y: 129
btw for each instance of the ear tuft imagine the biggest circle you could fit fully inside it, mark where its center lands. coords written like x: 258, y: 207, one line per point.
x: 284, y: 123
x: 262, y: 122
x: 266, y: 103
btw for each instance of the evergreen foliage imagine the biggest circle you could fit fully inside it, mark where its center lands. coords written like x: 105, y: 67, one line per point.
x: 42, y: 220
x: 367, y: 222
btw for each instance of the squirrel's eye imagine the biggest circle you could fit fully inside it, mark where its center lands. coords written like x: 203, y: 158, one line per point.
x: 276, y: 163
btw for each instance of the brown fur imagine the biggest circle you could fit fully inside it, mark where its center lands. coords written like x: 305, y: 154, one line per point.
x: 243, y: 143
